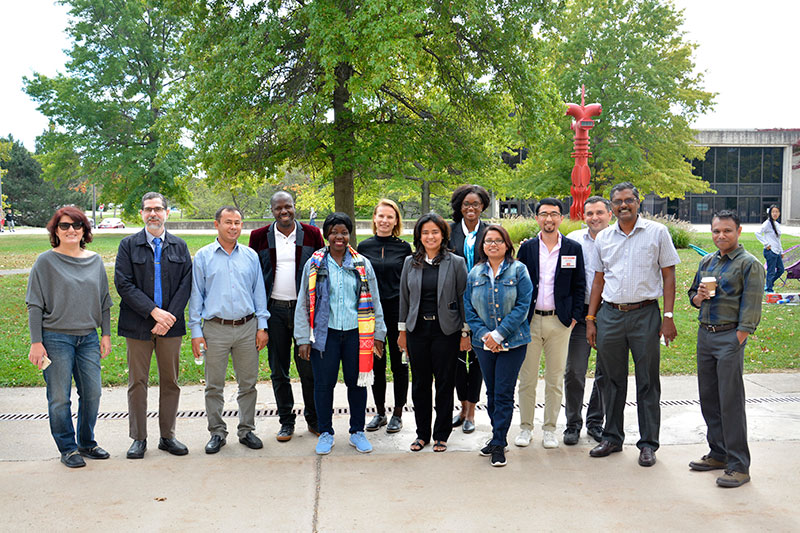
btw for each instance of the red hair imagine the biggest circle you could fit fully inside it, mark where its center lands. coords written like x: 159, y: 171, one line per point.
x: 76, y: 215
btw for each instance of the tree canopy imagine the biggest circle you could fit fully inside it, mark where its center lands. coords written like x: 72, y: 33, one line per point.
x: 104, y: 109
x: 401, y: 91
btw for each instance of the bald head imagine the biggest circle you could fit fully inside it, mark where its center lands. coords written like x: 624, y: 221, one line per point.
x: 282, y: 205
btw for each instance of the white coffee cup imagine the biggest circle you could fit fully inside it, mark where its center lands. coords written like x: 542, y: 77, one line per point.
x: 711, y: 284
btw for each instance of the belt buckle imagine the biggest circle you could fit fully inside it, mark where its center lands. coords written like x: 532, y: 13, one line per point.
x: 429, y: 317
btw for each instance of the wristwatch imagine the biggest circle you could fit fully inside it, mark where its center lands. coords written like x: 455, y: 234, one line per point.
x: 465, y: 333
x: 668, y: 314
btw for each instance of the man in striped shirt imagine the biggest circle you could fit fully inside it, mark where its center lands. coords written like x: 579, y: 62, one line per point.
x: 730, y: 310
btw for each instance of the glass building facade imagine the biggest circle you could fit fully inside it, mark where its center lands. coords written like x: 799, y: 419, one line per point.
x: 746, y: 179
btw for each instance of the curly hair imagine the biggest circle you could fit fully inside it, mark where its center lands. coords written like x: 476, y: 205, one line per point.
x: 458, y: 198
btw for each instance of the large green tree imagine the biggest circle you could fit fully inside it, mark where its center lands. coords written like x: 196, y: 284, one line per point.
x: 104, y: 110
x: 33, y: 199
x: 411, y: 93
x: 636, y: 62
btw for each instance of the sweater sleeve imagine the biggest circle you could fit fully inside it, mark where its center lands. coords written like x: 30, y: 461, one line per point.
x: 35, y: 302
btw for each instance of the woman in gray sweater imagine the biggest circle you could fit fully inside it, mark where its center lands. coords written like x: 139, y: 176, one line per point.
x: 67, y: 301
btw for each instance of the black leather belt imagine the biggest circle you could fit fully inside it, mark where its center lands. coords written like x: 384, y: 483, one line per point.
x: 237, y: 322
x: 631, y: 307
x: 428, y: 317
x: 282, y: 303
x: 544, y: 313
x: 717, y: 328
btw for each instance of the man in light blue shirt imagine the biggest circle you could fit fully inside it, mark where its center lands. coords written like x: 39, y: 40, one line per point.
x: 228, y: 315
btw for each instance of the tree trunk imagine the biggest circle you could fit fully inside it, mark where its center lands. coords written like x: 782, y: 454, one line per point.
x: 343, y: 145
x: 426, y: 197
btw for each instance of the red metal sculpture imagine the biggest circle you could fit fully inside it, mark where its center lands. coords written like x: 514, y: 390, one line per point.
x: 581, y: 175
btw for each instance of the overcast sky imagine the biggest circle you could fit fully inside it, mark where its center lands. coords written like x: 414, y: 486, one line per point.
x: 748, y: 50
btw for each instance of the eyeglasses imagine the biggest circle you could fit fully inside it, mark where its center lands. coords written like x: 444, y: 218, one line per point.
x: 498, y: 242
x: 552, y: 215
x: 626, y: 201
x: 153, y: 210
x: 65, y: 225
x: 474, y: 205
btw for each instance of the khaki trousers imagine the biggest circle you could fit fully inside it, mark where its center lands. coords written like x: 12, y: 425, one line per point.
x: 548, y: 334
x: 240, y: 343
x: 140, y: 354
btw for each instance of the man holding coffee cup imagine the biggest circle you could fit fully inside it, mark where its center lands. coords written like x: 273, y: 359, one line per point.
x: 726, y: 318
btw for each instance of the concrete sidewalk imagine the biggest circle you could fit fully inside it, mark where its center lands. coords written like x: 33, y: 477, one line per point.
x: 285, y: 487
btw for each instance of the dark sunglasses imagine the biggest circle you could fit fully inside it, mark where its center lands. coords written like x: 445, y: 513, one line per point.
x: 65, y: 225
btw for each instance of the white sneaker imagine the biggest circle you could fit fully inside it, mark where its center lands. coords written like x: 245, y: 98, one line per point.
x: 524, y: 438
x: 549, y: 440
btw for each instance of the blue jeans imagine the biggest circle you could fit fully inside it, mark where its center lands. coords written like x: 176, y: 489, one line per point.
x: 774, y: 268
x: 340, y: 346
x: 79, y: 357
x: 500, y: 372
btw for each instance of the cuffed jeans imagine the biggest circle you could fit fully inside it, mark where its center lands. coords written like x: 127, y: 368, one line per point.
x: 79, y: 357
x: 281, y: 328
x: 774, y: 268
x: 339, y: 346
x: 720, y: 360
x: 548, y: 334
x: 500, y: 372
x: 617, y: 333
x: 240, y: 343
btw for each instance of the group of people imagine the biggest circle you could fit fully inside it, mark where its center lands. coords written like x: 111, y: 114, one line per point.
x: 458, y: 309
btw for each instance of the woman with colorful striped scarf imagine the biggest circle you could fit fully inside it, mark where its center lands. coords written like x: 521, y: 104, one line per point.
x: 339, y: 319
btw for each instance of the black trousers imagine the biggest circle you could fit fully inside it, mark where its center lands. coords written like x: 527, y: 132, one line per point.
x: 281, y: 340
x: 575, y: 382
x: 433, y: 357
x: 391, y: 314
x: 619, y: 332
x: 468, y: 377
x: 720, y: 361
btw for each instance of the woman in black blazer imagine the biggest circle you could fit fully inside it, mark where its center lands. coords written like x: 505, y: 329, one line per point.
x: 468, y: 202
x: 432, y: 327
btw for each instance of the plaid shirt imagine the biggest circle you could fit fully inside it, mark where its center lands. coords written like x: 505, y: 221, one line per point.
x: 740, y: 289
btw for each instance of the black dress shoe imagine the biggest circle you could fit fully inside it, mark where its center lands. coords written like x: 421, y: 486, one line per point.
x: 73, y: 459
x: 647, y: 457
x: 137, y: 449
x: 376, y: 423
x: 173, y: 446
x: 469, y: 426
x: 395, y: 424
x: 571, y: 437
x: 94, y: 453
x: 251, y: 441
x: 312, y: 428
x: 605, y: 448
x: 457, y: 421
x: 215, y: 444
x: 285, y: 433
x: 596, y: 432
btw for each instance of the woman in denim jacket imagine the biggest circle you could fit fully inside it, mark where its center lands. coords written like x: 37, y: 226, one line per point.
x: 496, y: 303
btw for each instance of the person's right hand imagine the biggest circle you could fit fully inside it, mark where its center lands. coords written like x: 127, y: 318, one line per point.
x: 37, y: 354
x: 304, y: 351
x: 401, y: 341
x: 196, y: 342
x: 165, y: 318
x: 591, y: 333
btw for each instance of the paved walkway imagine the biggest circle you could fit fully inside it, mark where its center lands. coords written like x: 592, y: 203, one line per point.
x: 285, y: 487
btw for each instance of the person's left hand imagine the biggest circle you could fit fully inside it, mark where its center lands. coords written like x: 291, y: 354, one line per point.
x: 262, y: 338
x: 159, y: 329
x: 490, y: 343
x: 377, y: 348
x: 105, y: 346
x: 742, y: 336
x: 466, y: 344
x: 668, y: 330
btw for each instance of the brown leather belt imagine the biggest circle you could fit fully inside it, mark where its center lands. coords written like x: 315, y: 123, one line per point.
x: 631, y: 307
x: 717, y: 328
x: 237, y: 322
x: 544, y: 313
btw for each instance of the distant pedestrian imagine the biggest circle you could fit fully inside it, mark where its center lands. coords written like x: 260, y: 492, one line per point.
x: 727, y: 290
x: 311, y: 217
x: 769, y: 234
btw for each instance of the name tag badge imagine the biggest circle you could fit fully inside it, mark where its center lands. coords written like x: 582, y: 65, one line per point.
x: 569, y: 261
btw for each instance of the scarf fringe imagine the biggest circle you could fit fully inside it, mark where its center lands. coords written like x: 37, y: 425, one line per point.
x: 365, y: 379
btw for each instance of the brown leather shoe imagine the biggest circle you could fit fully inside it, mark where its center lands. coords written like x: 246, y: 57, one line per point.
x: 605, y: 448
x: 732, y: 479
x: 707, y: 463
x: 647, y: 457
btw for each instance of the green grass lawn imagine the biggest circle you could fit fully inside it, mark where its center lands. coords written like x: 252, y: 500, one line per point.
x: 775, y: 346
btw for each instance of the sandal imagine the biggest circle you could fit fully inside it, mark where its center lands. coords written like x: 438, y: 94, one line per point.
x: 417, y: 445
x: 440, y: 446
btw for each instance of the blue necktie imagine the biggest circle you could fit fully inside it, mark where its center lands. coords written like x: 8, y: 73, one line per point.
x: 157, y: 283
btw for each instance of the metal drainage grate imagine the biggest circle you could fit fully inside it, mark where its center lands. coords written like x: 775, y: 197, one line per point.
x: 269, y: 413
